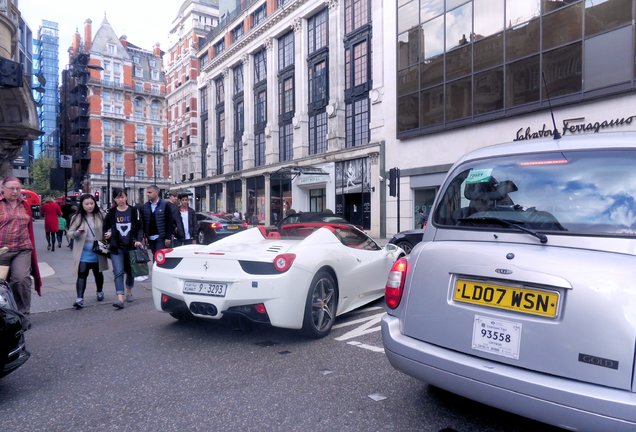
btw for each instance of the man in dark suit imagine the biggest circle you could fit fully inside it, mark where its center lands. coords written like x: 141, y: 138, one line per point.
x: 161, y: 221
x: 188, y: 218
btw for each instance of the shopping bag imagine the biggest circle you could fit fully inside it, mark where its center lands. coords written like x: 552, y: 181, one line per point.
x: 137, y: 269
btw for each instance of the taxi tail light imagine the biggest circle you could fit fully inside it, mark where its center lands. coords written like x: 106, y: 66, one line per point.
x: 283, y: 262
x: 161, y: 255
x: 395, y: 283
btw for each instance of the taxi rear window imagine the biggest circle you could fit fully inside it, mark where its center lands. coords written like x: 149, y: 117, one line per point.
x: 577, y: 192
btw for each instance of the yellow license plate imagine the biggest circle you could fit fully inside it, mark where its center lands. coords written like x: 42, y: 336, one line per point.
x: 232, y: 227
x: 524, y: 300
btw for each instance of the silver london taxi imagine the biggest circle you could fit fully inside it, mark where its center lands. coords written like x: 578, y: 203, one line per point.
x: 522, y: 294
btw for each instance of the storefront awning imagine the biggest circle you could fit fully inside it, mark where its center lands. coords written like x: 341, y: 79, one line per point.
x: 290, y: 173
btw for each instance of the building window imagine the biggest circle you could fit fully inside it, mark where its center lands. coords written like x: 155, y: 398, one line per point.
x: 154, y: 74
x: 357, y: 123
x: 317, y: 200
x: 139, y: 72
x: 135, y: 59
x: 153, y: 63
x: 317, y: 27
x: 357, y: 14
x: 220, y: 138
x: 238, y: 79
x: 493, y: 55
x: 219, y: 46
x: 239, y: 127
x: 285, y: 142
x: 286, y: 100
x: 237, y: 32
x: 203, y: 60
x: 260, y: 67
x: 258, y: 15
x: 203, y: 98
x: 220, y: 91
x: 318, y: 89
x: 112, y: 49
x: 259, y: 149
x: 318, y: 133
x: 260, y: 111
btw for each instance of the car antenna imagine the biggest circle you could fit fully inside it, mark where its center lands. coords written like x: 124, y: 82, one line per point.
x: 557, y: 135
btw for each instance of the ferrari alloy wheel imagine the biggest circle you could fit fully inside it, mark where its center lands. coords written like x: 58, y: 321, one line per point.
x: 320, y: 307
x: 405, y: 246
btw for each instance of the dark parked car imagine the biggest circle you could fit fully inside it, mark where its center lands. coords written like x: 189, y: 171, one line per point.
x: 302, y: 217
x: 407, y: 239
x: 211, y: 228
x: 13, y: 353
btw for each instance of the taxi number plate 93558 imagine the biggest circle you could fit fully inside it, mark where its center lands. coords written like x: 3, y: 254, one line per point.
x: 524, y: 300
x: 205, y: 288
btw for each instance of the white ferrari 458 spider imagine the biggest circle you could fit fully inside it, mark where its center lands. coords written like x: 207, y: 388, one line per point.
x: 300, y: 276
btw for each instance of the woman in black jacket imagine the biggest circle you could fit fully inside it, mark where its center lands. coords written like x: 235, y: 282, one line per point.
x: 124, y: 231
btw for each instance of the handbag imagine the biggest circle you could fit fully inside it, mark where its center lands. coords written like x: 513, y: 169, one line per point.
x: 140, y: 254
x: 100, y: 247
x: 138, y: 269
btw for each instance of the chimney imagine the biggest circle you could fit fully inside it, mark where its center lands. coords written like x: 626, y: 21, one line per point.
x: 76, y: 42
x: 88, y: 35
x: 124, y: 41
x: 156, y: 50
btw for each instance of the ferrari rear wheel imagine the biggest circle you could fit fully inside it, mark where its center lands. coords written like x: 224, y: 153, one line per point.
x: 321, y: 304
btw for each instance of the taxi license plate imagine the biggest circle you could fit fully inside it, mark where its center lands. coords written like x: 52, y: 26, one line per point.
x: 524, y: 300
x: 232, y: 227
x: 205, y: 288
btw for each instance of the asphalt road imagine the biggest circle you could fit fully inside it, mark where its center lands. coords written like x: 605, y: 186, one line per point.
x: 100, y: 369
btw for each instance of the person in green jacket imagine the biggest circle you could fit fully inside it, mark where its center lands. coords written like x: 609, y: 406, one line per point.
x: 61, y: 231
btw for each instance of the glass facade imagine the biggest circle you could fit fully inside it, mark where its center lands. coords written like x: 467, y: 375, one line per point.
x: 46, y: 64
x: 464, y: 61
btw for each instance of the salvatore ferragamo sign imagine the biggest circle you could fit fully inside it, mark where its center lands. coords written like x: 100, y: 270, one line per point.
x: 572, y: 126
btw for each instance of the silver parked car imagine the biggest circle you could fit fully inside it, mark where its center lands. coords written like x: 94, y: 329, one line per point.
x: 522, y: 293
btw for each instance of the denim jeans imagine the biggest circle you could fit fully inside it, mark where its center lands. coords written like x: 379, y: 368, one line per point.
x: 121, y: 265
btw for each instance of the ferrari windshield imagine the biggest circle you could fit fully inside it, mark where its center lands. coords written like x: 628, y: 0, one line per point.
x: 590, y: 192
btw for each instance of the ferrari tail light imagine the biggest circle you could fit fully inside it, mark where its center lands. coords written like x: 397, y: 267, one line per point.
x: 160, y: 255
x: 283, y: 262
x: 395, y: 283
x: 260, y: 309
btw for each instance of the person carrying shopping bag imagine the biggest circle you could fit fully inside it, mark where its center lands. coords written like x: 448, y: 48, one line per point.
x: 86, y: 227
x: 124, y: 232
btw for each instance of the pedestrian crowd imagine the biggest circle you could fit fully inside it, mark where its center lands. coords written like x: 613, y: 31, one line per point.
x: 119, y: 236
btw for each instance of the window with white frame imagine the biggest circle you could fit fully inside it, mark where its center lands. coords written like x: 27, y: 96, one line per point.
x: 139, y: 72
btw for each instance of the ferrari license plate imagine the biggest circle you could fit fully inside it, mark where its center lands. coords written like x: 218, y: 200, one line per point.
x: 205, y: 288
x: 524, y: 300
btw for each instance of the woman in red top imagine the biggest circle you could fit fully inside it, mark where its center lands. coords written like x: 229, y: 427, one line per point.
x: 16, y: 233
x: 50, y: 211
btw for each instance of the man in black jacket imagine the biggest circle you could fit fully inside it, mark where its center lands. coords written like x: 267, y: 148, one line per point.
x: 189, y: 220
x: 161, y: 221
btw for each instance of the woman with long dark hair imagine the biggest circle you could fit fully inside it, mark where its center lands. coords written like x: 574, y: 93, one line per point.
x: 124, y: 231
x: 86, y: 227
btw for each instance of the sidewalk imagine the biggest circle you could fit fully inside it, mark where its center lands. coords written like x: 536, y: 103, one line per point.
x: 58, y: 284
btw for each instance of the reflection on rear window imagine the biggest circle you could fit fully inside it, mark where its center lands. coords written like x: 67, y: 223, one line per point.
x: 582, y: 192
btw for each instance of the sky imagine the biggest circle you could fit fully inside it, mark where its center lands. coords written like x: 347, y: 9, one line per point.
x: 144, y: 22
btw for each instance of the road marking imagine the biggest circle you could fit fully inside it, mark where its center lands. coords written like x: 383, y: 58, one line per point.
x: 361, y: 330
x: 365, y: 346
x: 45, y: 269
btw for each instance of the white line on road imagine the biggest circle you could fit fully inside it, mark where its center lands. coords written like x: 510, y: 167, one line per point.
x: 365, y: 346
